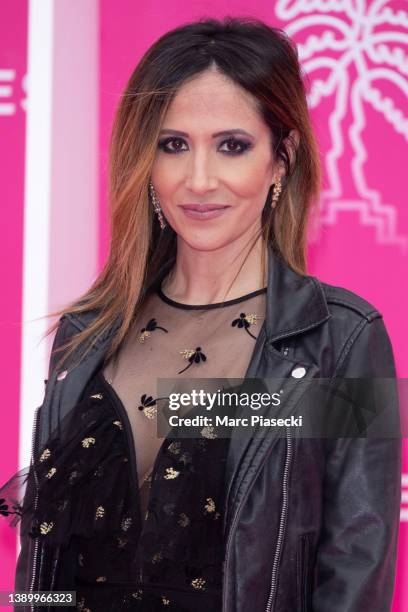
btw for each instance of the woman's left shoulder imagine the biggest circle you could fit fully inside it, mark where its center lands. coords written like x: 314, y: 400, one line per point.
x: 343, y: 301
x: 356, y: 328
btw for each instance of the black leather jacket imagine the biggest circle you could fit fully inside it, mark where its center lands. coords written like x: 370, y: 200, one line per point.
x: 310, y: 524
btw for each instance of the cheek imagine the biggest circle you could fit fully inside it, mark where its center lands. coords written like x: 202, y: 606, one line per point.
x: 166, y: 175
x: 247, y: 182
x: 246, y: 176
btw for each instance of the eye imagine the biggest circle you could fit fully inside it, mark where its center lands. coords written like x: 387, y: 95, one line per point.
x: 234, y: 145
x: 163, y: 145
x: 237, y: 146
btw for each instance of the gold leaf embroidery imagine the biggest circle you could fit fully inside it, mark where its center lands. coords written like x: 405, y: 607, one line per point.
x: 100, y: 511
x: 198, y: 583
x: 51, y: 472
x: 46, y: 527
x: 118, y: 424
x: 45, y: 454
x: 97, y: 396
x: 252, y: 318
x: 174, y: 447
x: 143, y: 336
x: 171, y: 473
x: 150, y: 411
x: 210, y: 506
x: 165, y: 601
x: 187, y: 353
x: 86, y: 442
x: 126, y: 523
x: 208, y: 432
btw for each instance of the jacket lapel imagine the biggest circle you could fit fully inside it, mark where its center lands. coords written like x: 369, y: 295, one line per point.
x: 294, y: 304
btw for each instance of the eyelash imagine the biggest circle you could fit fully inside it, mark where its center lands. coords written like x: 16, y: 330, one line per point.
x: 245, y: 146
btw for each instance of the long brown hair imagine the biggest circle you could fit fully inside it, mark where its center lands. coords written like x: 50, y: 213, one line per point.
x: 264, y: 62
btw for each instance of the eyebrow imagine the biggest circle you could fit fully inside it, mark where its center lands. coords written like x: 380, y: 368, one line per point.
x: 215, y: 135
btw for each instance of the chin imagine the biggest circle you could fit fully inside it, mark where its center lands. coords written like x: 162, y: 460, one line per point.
x: 205, y: 243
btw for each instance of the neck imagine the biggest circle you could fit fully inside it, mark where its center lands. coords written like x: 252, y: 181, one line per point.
x: 205, y: 277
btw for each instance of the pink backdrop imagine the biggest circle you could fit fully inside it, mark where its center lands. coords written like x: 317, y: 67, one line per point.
x: 13, y: 65
x: 355, y: 63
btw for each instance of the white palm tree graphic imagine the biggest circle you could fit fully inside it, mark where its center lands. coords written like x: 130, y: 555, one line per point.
x: 369, y: 38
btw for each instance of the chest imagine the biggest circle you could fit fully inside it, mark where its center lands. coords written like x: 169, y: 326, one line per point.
x: 181, y: 344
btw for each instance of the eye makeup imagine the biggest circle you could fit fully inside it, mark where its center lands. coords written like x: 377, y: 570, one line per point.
x: 243, y: 145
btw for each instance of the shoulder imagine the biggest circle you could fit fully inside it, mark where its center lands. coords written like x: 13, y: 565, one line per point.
x: 357, y: 328
x: 344, y: 302
x: 68, y: 325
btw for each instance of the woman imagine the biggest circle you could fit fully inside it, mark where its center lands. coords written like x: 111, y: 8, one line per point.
x: 213, y: 172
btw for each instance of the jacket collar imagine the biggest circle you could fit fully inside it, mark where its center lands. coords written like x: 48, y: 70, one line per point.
x: 294, y: 303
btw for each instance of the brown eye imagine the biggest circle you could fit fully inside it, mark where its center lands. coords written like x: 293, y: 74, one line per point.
x: 235, y: 147
x: 177, y: 144
x: 164, y: 145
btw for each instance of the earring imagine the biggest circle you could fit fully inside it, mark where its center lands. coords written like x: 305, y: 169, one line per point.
x: 277, y: 188
x: 156, y: 205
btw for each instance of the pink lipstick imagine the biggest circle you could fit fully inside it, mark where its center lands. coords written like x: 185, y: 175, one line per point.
x: 204, y: 211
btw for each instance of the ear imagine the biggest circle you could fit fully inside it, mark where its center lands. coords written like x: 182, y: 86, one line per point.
x: 292, y: 141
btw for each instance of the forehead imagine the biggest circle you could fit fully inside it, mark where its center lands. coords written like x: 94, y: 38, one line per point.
x: 212, y: 99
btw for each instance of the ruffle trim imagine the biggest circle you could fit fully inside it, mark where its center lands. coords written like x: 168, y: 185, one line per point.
x: 83, y: 484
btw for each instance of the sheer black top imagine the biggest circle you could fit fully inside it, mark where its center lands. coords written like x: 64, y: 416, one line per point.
x: 144, y: 514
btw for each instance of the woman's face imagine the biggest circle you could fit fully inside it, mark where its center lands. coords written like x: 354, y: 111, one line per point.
x: 214, y: 148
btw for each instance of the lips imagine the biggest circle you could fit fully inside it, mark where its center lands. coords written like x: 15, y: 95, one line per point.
x: 205, y: 212
x: 204, y: 207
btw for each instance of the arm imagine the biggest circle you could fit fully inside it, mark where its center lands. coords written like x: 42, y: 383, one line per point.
x: 357, y: 549
x: 23, y: 573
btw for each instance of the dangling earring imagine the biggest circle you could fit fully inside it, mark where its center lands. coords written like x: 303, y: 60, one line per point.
x: 156, y: 205
x: 277, y: 188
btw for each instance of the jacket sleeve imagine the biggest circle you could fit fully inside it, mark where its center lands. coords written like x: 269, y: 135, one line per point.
x: 24, y: 569
x: 357, y: 550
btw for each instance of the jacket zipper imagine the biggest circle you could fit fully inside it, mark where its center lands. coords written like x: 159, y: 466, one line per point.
x: 36, y: 541
x: 283, y: 515
x: 281, y: 533
x: 282, y: 522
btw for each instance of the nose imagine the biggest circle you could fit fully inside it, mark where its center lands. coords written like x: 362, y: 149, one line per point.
x: 201, y: 176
